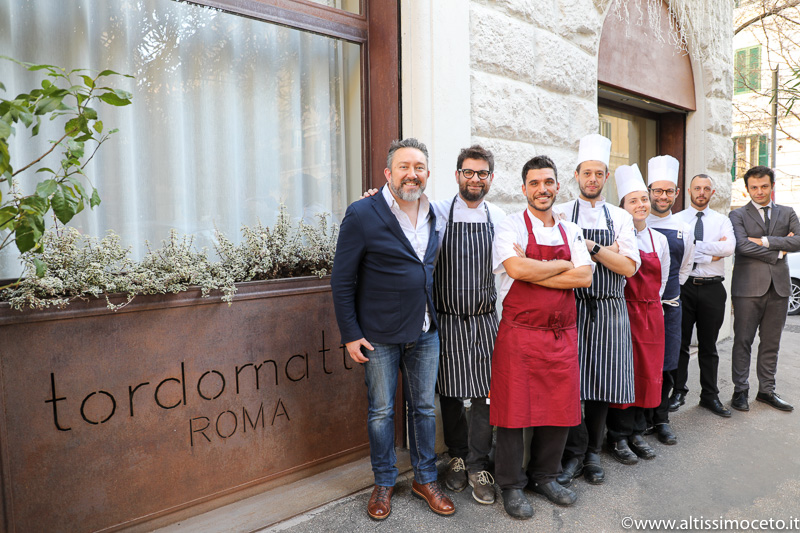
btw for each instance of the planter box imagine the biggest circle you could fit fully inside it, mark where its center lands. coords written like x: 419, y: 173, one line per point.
x: 110, y: 420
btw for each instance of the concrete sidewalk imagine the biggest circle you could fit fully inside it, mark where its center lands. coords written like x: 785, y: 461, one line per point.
x: 743, y: 468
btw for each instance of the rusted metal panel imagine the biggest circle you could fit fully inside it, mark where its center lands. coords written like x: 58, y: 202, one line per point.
x: 112, y: 418
x: 632, y: 60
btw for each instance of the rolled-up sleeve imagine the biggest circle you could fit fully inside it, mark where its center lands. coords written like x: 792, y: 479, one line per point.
x: 626, y: 238
x: 505, y: 236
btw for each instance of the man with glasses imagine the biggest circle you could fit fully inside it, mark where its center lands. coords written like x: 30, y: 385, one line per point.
x: 703, y: 295
x: 465, y: 295
x: 662, y: 177
x: 383, y: 296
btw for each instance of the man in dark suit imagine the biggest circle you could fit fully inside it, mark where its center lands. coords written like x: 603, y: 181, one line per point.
x: 760, y: 288
x: 382, y: 293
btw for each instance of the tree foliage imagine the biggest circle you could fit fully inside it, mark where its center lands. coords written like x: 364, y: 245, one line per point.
x: 766, y: 37
x: 64, y: 189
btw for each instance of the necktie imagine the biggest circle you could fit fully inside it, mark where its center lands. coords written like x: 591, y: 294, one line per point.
x: 698, y: 228
x: 698, y: 231
x: 766, y: 216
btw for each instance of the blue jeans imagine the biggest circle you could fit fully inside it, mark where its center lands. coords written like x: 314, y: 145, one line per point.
x: 419, y: 361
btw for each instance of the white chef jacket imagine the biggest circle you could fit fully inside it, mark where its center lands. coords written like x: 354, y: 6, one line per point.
x: 513, y: 230
x: 685, y: 233
x: 594, y: 218
x: 662, y: 249
x: 464, y: 213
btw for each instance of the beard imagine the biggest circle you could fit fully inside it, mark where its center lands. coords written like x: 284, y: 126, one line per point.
x: 471, y: 196
x: 532, y: 203
x: 591, y: 196
x: 654, y: 207
x: 408, y: 196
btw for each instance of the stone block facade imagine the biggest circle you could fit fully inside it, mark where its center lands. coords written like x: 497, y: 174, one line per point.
x: 533, y: 70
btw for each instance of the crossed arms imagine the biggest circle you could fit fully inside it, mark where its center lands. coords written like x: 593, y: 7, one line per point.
x: 557, y: 274
x: 753, y: 246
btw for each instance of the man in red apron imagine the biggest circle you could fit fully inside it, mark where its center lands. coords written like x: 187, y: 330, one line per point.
x: 535, y: 375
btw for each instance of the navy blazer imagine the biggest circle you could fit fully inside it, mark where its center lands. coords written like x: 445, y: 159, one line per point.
x: 380, y: 287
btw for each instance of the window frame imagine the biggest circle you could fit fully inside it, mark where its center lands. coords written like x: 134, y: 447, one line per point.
x: 380, y: 60
x: 746, y: 70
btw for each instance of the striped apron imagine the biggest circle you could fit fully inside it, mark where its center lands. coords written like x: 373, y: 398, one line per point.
x: 604, y: 333
x: 672, y: 292
x: 464, y: 295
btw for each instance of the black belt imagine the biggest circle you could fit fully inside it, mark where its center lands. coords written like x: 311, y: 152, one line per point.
x: 706, y: 281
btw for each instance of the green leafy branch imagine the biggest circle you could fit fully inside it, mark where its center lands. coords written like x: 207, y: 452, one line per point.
x: 69, y: 94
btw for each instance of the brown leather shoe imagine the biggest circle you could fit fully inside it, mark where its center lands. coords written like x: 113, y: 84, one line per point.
x: 380, y: 503
x: 437, y: 500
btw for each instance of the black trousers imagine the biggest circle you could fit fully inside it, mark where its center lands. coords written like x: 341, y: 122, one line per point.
x: 660, y: 415
x: 703, y: 305
x: 471, y: 441
x: 623, y: 423
x: 588, y: 435
x: 547, y: 445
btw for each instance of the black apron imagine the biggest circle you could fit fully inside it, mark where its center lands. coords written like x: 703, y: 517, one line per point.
x: 464, y: 296
x: 604, y: 332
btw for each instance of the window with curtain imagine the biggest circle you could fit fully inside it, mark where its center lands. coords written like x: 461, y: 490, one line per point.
x: 747, y: 70
x: 231, y: 117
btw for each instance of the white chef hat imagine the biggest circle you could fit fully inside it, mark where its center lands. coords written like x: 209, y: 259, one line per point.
x: 662, y: 167
x: 629, y: 179
x: 594, y: 147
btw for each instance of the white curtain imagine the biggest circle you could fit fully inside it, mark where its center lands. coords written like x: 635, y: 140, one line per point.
x: 231, y: 117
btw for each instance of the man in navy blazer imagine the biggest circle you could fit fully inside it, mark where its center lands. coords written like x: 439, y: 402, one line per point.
x: 760, y: 288
x: 382, y: 293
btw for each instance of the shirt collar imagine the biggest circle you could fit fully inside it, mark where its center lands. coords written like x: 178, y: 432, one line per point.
x: 536, y: 222
x: 424, y: 204
x: 461, y: 203
x: 695, y: 210
x: 771, y: 204
x: 598, y: 203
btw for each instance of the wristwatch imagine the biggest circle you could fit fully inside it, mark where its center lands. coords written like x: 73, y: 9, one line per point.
x: 595, y: 249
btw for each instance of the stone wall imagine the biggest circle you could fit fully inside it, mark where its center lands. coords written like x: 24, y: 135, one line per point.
x: 533, y: 66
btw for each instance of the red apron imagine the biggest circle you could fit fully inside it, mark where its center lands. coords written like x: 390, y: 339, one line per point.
x: 647, y: 330
x: 535, y: 374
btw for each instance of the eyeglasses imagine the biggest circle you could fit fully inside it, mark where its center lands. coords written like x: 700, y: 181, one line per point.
x: 659, y: 192
x: 469, y: 173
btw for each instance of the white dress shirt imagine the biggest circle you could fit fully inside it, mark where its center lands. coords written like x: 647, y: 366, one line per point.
x: 662, y: 249
x: 715, y: 226
x: 594, y: 218
x: 464, y: 213
x: 513, y: 230
x: 418, y: 235
x: 685, y: 233
x: 764, y: 238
